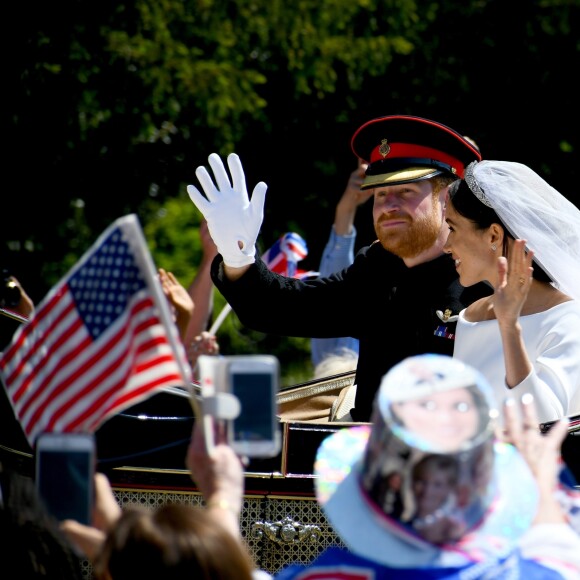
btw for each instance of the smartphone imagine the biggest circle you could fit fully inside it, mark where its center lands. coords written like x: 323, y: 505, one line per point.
x: 254, y: 380
x: 64, y: 474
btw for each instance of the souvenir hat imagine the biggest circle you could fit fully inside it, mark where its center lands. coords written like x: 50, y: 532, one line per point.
x: 402, y: 149
x: 425, y: 484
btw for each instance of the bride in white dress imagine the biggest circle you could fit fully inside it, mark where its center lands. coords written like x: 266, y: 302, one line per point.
x: 512, y: 229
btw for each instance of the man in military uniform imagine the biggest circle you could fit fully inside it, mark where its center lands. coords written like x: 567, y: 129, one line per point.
x: 401, y: 295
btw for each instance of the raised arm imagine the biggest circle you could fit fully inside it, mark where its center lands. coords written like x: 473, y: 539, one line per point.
x: 510, y: 295
x: 201, y: 287
x: 544, y: 366
x: 541, y: 452
x: 338, y: 253
x: 351, y: 199
x: 219, y: 475
x: 183, y: 306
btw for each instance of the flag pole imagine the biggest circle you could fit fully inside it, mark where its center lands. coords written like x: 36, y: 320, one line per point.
x: 221, y: 317
x: 217, y: 323
x: 14, y: 315
x: 136, y: 238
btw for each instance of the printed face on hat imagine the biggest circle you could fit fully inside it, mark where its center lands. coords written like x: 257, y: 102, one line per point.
x: 435, y: 481
x: 386, y: 520
x: 408, y: 218
x: 445, y: 421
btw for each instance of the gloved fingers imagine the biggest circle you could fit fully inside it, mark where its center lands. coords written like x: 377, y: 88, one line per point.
x: 257, y: 203
x: 207, y: 183
x: 238, y: 177
x: 198, y: 199
x: 222, y: 178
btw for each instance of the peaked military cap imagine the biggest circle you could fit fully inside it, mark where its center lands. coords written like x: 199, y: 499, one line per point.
x: 402, y: 149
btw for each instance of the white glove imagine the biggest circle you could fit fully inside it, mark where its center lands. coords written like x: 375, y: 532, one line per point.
x: 232, y: 219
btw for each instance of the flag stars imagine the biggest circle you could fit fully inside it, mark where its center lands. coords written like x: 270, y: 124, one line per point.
x: 110, y: 278
x: 50, y: 393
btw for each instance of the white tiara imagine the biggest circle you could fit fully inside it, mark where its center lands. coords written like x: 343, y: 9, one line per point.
x: 532, y: 210
x: 474, y: 186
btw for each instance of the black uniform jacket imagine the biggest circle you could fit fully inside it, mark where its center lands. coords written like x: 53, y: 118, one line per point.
x: 393, y: 310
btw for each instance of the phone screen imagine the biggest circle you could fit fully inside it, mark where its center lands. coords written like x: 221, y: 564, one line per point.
x: 64, y: 480
x: 256, y: 419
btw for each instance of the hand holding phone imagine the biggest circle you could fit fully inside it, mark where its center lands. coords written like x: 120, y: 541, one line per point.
x: 65, y: 467
x: 253, y: 380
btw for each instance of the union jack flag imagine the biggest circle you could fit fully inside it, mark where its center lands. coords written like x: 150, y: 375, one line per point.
x: 284, y: 255
x: 101, y: 340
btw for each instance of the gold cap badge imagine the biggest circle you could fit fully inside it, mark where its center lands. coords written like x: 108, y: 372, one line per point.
x: 384, y: 148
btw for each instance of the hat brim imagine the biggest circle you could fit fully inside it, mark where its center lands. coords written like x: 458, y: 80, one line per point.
x: 369, y: 533
x: 401, y: 176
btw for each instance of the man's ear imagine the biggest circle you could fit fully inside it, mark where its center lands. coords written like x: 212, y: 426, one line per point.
x: 444, y: 199
x: 444, y: 196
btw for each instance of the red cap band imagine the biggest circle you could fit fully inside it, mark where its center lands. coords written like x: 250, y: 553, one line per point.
x: 407, y: 150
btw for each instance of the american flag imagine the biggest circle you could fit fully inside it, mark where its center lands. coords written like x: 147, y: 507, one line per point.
x: 285, y: 254
x: 101, y: 340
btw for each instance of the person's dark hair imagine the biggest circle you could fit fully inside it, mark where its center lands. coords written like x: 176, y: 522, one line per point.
x: 467, y: 205
x: 31, y: 537
x: 173, y: 542
x: 437, y: 462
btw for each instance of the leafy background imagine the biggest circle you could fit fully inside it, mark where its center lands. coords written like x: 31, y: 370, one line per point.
x: 110, y: 107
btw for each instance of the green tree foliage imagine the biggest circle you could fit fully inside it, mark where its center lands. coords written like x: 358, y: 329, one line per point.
x: 110, y: 107
x: 116, y: 103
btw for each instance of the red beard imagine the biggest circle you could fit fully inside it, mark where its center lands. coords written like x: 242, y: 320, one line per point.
x: 416, y: 238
